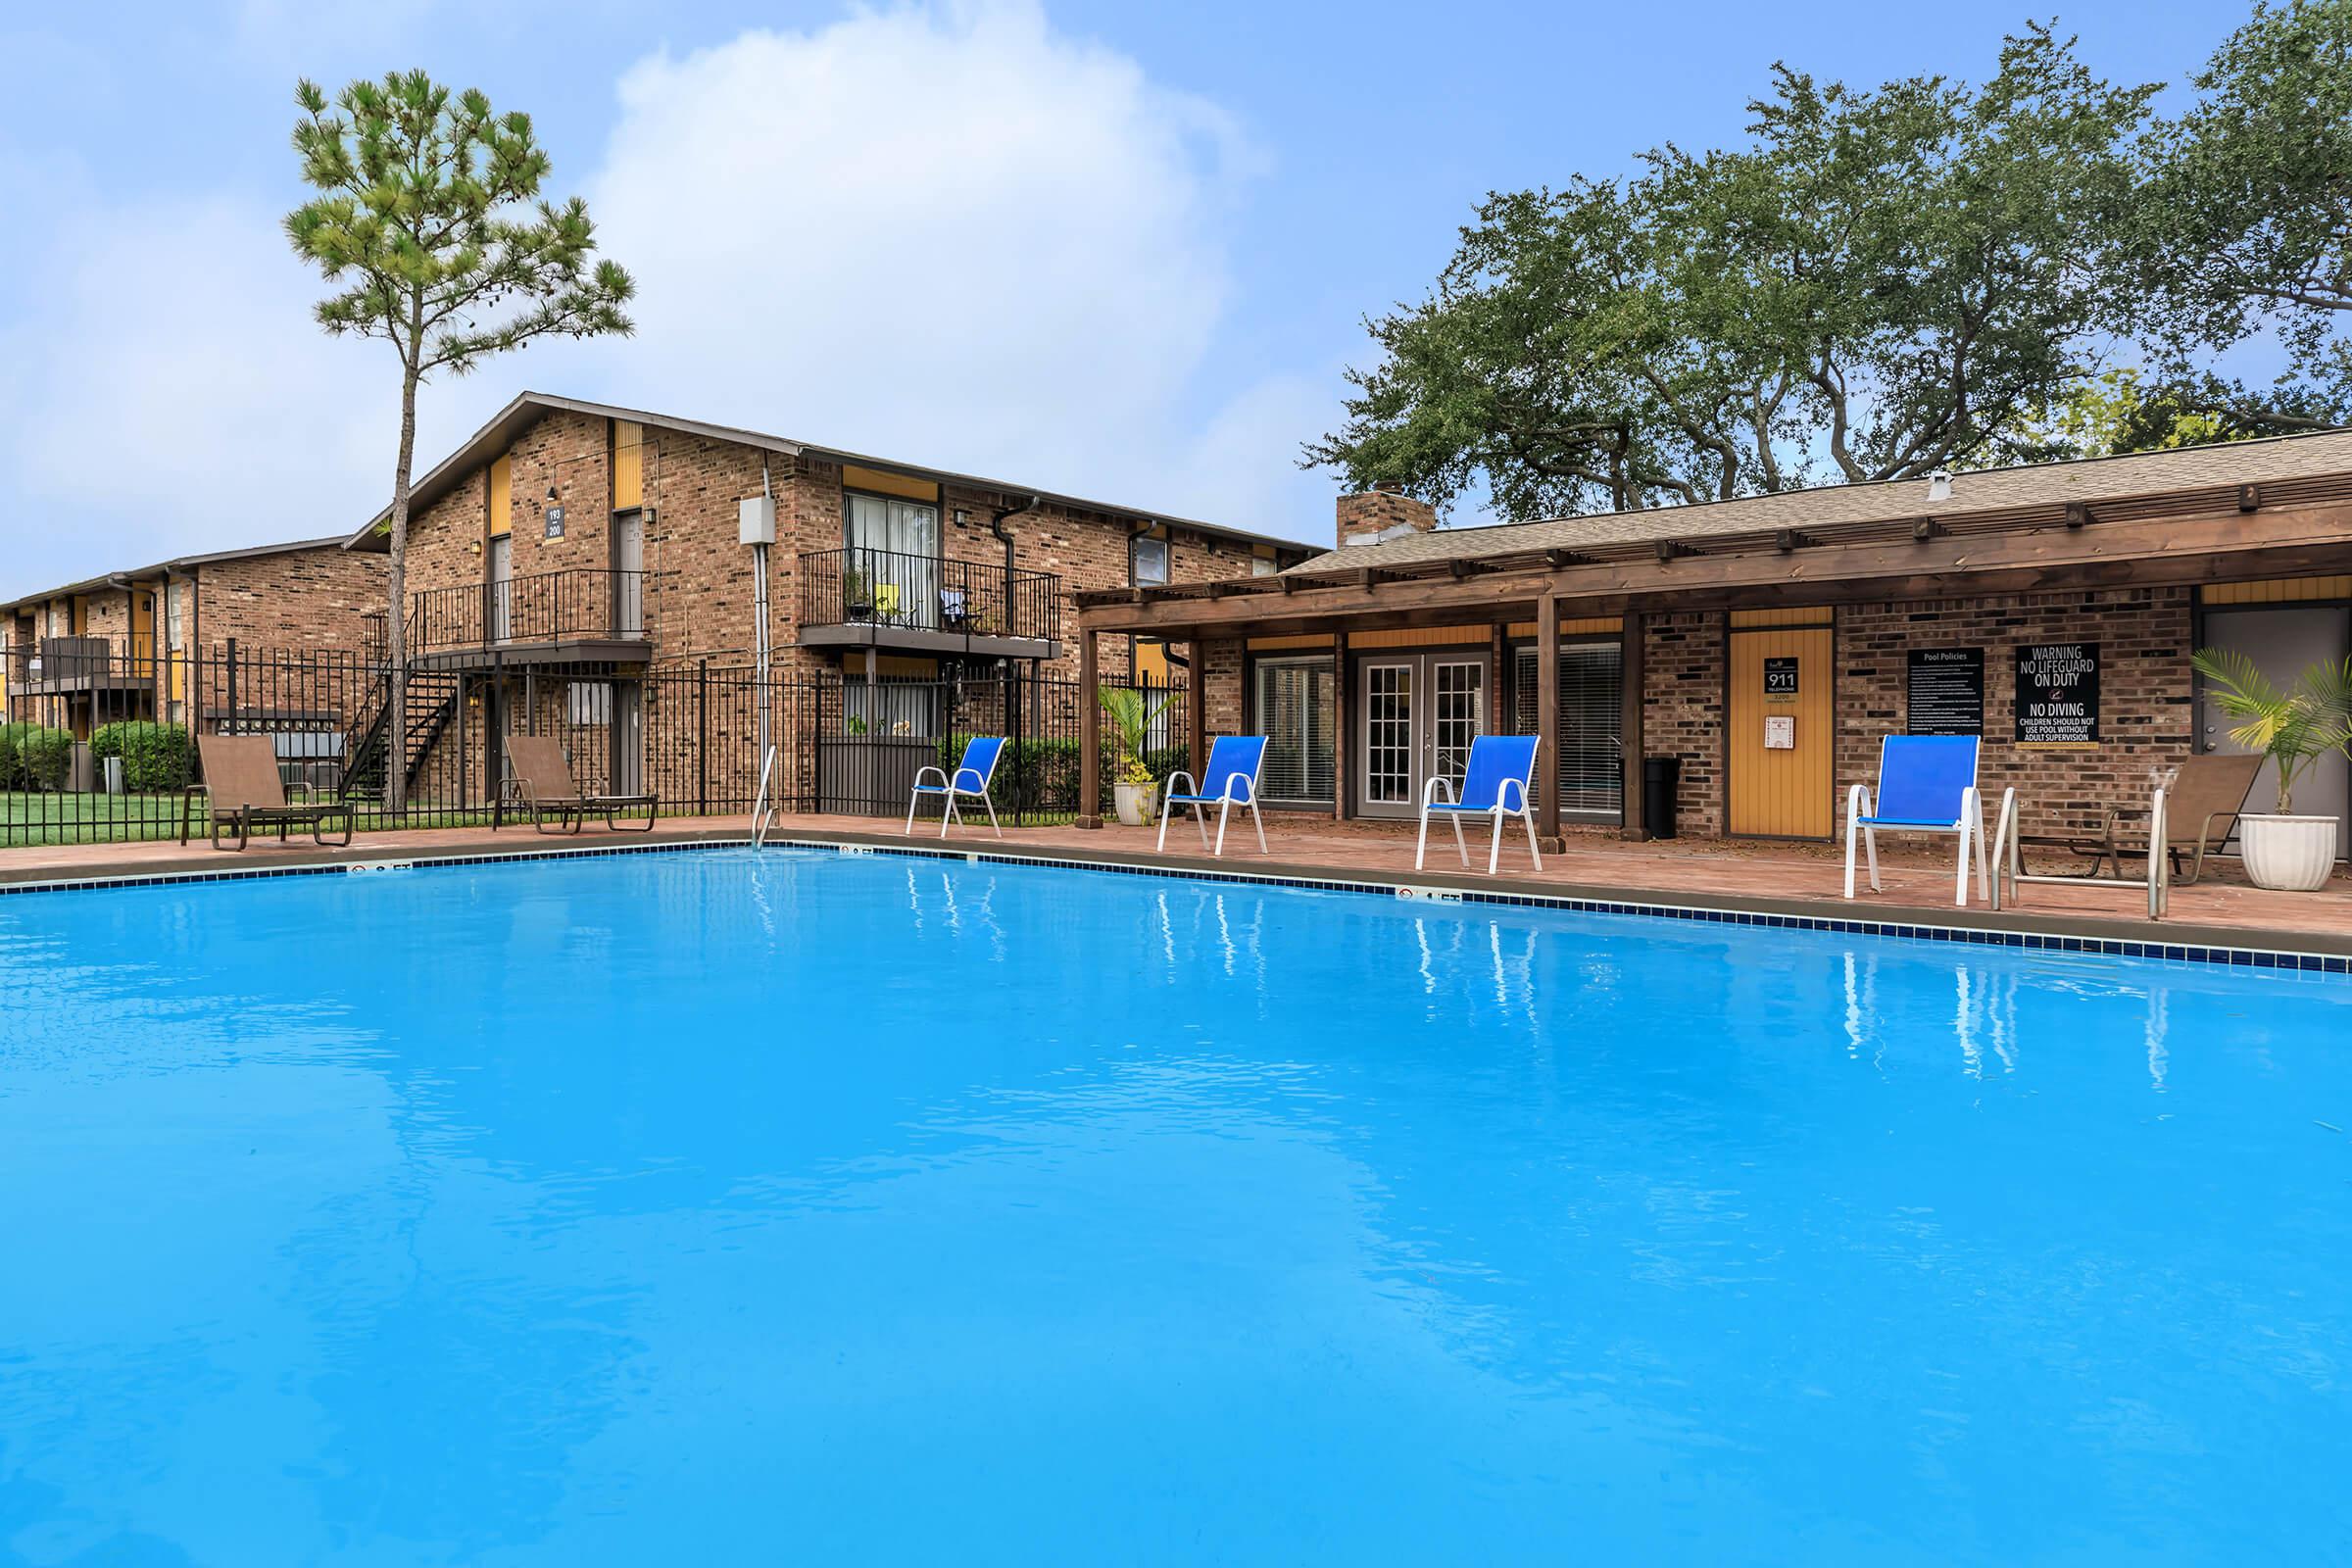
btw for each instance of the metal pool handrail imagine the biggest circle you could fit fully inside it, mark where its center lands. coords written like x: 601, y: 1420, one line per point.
x: 2008, y: 861
x: 763, y: 811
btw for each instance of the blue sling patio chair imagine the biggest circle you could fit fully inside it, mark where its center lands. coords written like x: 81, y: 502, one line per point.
x: 1229, y: 780
x: 1496, y: 783
x: 1927, y: 784
x: 968, y: 782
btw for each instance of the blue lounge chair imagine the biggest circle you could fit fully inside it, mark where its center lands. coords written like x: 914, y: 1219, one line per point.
x: 1229, y: 780
x: 1497, y: 783
x: 969, y: 781
x: 1927, y: 784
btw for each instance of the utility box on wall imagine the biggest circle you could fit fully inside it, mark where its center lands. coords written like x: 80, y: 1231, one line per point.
x: 755, y: 520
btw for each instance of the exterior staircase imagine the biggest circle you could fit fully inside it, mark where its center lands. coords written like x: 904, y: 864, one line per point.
x: 432, y: 704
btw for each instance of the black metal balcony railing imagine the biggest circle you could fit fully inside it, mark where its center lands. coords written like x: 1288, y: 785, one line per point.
x: 886, y: 588
x: 546, y: 607
x: 82, y: 659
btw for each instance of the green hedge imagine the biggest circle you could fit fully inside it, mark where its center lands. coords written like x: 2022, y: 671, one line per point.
x: 156, y: 757
x: 34, y: 757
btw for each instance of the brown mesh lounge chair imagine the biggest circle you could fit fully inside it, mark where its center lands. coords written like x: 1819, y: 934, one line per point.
x: 2201, y: 812
x: 539, y: 785
x: 247, y: 792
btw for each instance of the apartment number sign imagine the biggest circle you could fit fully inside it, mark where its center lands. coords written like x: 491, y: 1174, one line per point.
x: 2058, y: 695
x: 554, y: 522
x: 1780, y: 677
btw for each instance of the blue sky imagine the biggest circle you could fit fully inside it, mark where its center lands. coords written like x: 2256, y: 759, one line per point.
x: 1110, y: 248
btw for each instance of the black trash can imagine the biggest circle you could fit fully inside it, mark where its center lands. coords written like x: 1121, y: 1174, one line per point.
x: 1660, y: 777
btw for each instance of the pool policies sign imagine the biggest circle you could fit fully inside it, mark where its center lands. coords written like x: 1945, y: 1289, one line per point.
x: 2058, y: 695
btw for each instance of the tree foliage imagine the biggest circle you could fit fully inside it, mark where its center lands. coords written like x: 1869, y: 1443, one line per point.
x: 1881, y: 283
x: 2240, y: 226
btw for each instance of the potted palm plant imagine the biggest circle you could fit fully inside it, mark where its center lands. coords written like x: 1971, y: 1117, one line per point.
x: 2294, y: 729
x: 1135, y: 793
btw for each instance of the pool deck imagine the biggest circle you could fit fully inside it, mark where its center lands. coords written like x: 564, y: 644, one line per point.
x: 1803, y: 880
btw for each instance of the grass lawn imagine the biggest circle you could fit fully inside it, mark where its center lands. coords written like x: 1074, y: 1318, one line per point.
x: 65, y: 817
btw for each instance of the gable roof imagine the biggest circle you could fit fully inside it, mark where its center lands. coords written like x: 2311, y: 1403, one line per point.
x: 107, y: 580
x: 2032, y: 487
x: 529, y: 407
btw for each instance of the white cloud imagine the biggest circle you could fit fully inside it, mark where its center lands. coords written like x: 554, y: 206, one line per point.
x: 953, y: 236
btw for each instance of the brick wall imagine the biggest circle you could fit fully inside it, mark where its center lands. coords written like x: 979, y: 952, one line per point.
x: 2147, y: 719
x: 296, y: 598
x: 1683, y: 690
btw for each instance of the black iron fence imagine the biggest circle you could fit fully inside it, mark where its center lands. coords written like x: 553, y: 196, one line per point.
x: 99, y: 760
x: 923, y: 593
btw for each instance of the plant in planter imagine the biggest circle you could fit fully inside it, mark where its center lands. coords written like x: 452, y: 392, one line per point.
x: 2294, y: 729
x: 1135, y: 792
x: 856, y: 595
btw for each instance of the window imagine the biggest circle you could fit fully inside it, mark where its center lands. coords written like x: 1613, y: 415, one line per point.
x: 884, y: 523
x: 1264, y: 566
x: 590, y: 701
x: 1151, y: 562
x: 1296, y: 709
x: 1591, y: 707
x: 890, y: 708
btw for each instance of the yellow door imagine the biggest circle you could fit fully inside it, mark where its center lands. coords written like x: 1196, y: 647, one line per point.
x: 1783, y: 740
x: 142, y: 628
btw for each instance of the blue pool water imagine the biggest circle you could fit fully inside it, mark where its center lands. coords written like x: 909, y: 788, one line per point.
x: 719, y: 1207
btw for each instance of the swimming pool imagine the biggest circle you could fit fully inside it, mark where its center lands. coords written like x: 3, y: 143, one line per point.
x: 725, y: 1206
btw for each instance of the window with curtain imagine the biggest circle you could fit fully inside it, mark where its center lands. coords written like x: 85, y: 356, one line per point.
x: 884, y: 523
x: 1296, y: 713
x: 1591, y: 707
x: 1151, y: 562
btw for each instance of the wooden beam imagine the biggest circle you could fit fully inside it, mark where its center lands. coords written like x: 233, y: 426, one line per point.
x: 2077, y: 515
x: 1548, y: 724
x: 1924, y: 529
x: 2220, y: 547
x: 1090, y: 735
x: 1632, y: 668
x: 2249, y: 498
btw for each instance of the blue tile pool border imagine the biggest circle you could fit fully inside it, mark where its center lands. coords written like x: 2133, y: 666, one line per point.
x: 2231, y: 956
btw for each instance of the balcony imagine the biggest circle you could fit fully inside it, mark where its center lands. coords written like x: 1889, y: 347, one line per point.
x: 860, y: 598
x: 551, y: 618
x: 60, y: 666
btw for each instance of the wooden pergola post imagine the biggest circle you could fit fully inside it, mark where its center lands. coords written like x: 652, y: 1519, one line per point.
x: 1197, y: 712
x: 1090, y: 735
x: 1499, y: 655
x: 1342, y: 700
x: 1547, y: 722
x: 1630, y: 668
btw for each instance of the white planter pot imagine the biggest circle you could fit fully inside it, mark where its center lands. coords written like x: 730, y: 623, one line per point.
x: 2292, y: 853
x: 1138, y: 804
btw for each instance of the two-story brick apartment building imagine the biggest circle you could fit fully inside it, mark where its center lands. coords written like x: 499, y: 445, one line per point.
x: 121, y: 645
x: 584, y: 548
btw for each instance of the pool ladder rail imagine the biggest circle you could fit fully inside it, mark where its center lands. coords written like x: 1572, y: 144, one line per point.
x: 2008, y: 862
x: 763, y: 810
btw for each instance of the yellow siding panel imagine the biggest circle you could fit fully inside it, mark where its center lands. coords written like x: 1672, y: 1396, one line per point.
x: 2278, y: 591
x: 628, y: 465
x: 1785, y: 794
x: 502, y: 495
x: 1781, y: 617
x: 884, y: 483
x: 1259, y: 644
x: 1423, y: 637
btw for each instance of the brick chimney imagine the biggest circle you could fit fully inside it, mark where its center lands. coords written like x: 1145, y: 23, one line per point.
x: 1384, y: 512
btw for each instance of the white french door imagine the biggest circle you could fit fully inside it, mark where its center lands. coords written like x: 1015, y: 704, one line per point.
x: 1418, y: 715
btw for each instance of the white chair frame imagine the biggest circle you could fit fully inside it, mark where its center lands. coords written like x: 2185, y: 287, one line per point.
x: 1500, y: 811
x: 948, y: 789
x: 1970, y: 828
x: 1226, y: 802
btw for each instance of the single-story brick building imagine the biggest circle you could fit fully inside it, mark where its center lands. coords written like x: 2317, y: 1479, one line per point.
x: 1766, y: 645
x: 118, y: 644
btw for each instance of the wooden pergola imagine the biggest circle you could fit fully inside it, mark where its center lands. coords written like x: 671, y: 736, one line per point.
x: 2214, y: 536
